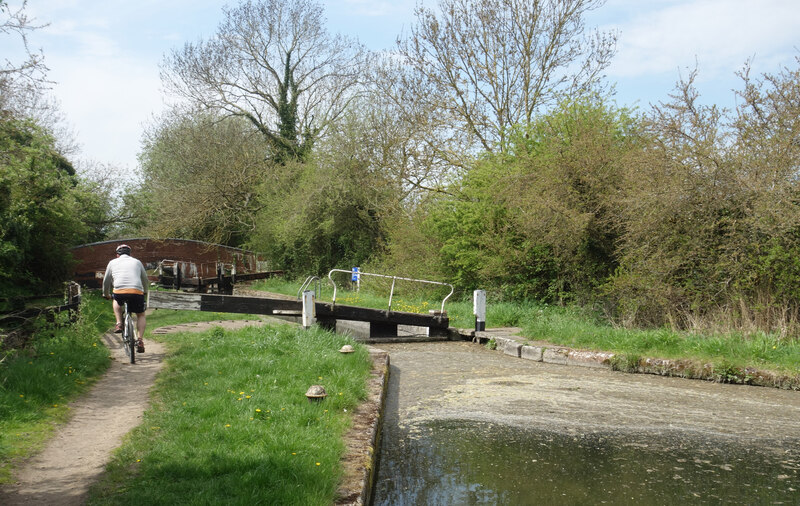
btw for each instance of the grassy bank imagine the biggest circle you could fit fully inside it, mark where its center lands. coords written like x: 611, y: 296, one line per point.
x: 58, y: 364
x: 581, y: 329
x: 231, y: 423
x: 37, y: 381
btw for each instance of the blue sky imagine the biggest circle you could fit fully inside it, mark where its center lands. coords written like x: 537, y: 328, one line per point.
x: 104, y: 54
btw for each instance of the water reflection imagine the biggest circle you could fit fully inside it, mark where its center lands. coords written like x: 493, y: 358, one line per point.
x: 460, y: 462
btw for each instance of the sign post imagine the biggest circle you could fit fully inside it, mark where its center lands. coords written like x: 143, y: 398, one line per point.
x: 357, y: 278
x: 479, y: 309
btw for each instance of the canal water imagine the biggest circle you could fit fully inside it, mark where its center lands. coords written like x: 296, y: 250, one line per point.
x: 461, y: 462
x: 464, y: 425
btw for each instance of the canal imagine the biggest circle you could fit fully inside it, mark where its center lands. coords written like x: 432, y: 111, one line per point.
x: 465, y: 425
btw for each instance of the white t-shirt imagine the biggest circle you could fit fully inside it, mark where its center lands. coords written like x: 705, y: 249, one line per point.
x: 125, y: 273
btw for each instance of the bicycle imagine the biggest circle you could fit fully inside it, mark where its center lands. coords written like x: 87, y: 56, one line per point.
x: 128, y: 334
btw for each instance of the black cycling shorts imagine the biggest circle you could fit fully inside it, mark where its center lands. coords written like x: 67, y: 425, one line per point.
x: 135, y: 301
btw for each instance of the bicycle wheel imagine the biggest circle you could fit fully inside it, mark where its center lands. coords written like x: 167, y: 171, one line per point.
x: 129, y: 337
x: 131, y: 344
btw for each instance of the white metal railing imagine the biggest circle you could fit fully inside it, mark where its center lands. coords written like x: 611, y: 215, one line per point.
x: 394, y: 279
x: 311, y: 281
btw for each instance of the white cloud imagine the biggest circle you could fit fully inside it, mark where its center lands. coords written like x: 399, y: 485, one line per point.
x: 719, y: 35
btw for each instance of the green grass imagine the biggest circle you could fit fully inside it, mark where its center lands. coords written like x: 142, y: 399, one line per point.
x: 38, y: 381
x: 579, y: 328
x: 231, y: 423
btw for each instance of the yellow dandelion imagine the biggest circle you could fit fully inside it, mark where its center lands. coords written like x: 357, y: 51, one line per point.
x: 246, y: 396
x: 258, y: 410
x: 227, y: 425
x: 318, y: 463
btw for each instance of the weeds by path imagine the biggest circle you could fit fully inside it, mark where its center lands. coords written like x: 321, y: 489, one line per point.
x: 231, y: 423
x: 37, y: 382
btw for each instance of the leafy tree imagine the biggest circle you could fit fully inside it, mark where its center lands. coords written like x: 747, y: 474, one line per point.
x: 202, y: 173
x: 711, y: 215
x: 328, y: 211
x: 541, y: 220
x: 40, y: 209
x: 272, y: 63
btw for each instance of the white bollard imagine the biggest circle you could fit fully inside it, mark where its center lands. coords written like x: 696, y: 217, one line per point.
x: 479, y: 309
x: 309, y: 309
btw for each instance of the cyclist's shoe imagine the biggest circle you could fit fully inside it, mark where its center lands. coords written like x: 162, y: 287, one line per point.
x: 118, y: 328
x: 139, y: 346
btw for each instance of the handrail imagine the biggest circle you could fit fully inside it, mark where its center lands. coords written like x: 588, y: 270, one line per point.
x: 307, y: 282
x: 393, y: 278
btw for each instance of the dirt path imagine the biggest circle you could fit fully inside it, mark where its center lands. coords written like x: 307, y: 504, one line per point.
x: 76, y: 456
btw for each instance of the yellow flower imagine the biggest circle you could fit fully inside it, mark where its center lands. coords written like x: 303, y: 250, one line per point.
x: 258, y: 410
x: 246, y: 396
x: 227, y: 425
x: 318, y: 463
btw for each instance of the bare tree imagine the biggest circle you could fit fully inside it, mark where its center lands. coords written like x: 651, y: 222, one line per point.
x: 273, y: 63
x: 483, y: 66
x: 21, y: 82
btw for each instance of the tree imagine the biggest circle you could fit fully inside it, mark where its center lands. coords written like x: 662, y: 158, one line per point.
x: 540, y: 221
x: 41, y: 206
x: 273, y: 63
x: 202, y: 173
x: 330, y: 210
x: 481, y: 67
x: 712, y: 221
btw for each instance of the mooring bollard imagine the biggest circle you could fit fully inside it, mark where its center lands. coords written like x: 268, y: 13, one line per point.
x: 309, y: 309
x: 479, y: 309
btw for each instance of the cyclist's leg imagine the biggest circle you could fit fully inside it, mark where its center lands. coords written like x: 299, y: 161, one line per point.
x: 141, y: 324
x: 117, y: 311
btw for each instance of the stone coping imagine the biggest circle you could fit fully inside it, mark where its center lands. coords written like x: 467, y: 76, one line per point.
x: 363, y: 439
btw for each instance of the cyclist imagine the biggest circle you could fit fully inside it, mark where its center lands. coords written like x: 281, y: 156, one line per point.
x: 128, y: 279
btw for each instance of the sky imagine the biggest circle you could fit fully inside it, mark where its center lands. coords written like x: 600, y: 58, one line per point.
x: 104, y: 55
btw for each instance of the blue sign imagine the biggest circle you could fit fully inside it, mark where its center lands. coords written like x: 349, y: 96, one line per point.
x: 355, y: 274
